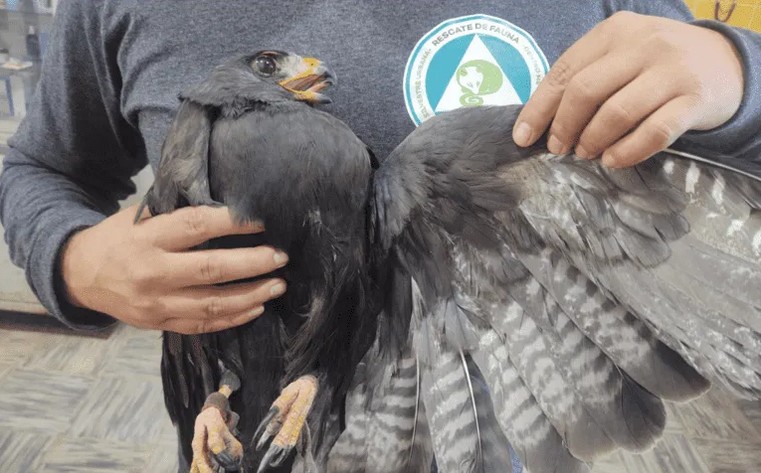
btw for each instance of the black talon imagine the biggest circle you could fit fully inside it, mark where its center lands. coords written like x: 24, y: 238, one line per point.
x: 227, y: 461
x: 274, y: 457
x: 265, y: 463
x: 260, y: 431
x: 280, y: 455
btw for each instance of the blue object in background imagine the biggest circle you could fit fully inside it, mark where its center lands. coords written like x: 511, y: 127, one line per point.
x: 8, y: 94
x: 33, y: 44
x: 30, y: 6
x: 517, y: 467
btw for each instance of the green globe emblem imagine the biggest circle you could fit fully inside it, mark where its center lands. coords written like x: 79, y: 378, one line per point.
x: 478, y: 78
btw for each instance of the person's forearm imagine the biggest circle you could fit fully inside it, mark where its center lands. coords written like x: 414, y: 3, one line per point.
x: 39, y: 210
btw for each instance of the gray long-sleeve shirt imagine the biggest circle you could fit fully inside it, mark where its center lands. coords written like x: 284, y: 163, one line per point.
x: 113, y: 70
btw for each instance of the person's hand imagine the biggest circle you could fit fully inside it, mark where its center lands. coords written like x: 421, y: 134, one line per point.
x: 143, y: 274
x: 631, y: 86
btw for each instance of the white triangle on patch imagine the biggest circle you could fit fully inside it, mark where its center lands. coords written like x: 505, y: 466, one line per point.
x: 506, y: 95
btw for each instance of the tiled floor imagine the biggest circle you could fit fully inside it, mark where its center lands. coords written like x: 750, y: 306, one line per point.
x: 80, y: 404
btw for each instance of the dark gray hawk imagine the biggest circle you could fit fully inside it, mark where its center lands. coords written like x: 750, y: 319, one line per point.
x: 463, y: 296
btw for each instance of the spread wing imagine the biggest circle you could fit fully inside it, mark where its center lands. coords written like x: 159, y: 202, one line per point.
x: 580, y: 297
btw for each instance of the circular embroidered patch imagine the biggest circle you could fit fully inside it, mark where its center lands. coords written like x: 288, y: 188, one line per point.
x: 470, y: 61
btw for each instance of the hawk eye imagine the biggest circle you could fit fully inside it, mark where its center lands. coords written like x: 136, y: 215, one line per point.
x: 266, y: 65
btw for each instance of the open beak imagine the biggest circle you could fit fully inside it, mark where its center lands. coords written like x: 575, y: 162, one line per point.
x: 311, y: 79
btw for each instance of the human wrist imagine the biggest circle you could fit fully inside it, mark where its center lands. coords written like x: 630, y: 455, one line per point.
x: 71, y: 270
x: 734, y: 136
x: 735, y: 66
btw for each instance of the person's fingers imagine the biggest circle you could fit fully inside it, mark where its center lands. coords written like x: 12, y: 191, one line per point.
x: 585, y: 93
x: 622, y: 112
x: 656, y: 133
x: 215, y: 302
x: 196, y: 268
x: 540, y: 108
x: 190, y: 226
x: 196, y: 326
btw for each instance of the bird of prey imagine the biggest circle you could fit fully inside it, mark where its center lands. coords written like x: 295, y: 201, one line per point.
x: 461, y: 297
x: 232, y: 139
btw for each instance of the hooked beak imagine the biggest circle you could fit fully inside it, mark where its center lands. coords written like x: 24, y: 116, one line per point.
x: 312, y: 78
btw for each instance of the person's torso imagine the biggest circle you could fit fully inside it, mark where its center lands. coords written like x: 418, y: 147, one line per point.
x: 397, y: 62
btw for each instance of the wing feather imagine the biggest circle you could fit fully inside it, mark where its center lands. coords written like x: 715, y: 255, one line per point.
x: 589, y: 381
x: 386, y: 426
x: 537, y: 442
x: 581, y: 296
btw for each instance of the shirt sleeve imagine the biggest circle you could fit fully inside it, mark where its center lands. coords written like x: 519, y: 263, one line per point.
x: 740, y: 136
x: 73, y: 156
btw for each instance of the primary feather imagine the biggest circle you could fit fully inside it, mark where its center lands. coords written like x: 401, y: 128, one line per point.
x: 583, y: 296
x: 386, y: 426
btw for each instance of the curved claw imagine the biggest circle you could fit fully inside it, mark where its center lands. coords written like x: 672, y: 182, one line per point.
x: 274, y: 457
x: 285, y: 421
x: 265, y: 430
x: 227, y: 461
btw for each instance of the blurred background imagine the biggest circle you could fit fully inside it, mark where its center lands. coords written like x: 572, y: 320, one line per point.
x: 24, y: 32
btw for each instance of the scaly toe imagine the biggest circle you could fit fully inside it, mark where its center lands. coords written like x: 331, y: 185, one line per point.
x: 214, y: 446
x: 285, y: 421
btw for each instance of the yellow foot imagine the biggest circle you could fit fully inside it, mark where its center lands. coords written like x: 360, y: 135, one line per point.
x: 215, y: 448
x: 285, y: 420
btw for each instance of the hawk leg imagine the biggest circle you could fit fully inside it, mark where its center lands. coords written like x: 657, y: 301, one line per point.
x: 285, y: 421
x: 215, y: 448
